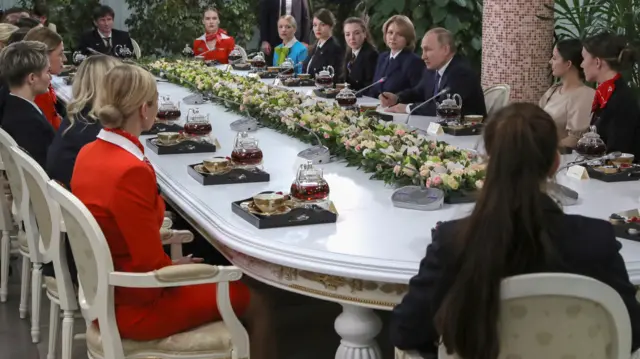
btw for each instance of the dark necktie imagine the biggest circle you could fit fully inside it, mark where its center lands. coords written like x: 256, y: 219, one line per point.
x: 351, y: 62
x: 107, y: 40
x: 283, y: 7
x: 436, y: 84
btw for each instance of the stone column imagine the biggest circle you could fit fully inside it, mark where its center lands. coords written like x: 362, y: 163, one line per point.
x: 516, y: 47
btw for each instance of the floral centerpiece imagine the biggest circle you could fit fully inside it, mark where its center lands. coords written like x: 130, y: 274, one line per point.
x: 392, y: 152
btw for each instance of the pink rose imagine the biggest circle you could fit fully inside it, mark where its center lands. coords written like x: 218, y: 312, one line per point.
x: 428, y: 183
x: 437, y: 181
x: 326, y: 135
x: 400, y: 132
x: 358, y: 148
x: 432, y: 145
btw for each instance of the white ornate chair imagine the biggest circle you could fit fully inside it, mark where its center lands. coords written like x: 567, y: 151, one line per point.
x: 43, y: 218
x: 136, y: 49
x: 496, y: 97
x: 6, y: 226
x: 28, y: 242
x: 552, y: 315
x: 226, y: 339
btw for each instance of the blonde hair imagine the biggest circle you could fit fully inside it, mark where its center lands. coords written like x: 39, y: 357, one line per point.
x: 290, y: 19
x: 86, y: 82
x: 405, y: 27
x: 46, y: 36
x: 124, y: 89
x: 20, y: 59
x: 5, y: 33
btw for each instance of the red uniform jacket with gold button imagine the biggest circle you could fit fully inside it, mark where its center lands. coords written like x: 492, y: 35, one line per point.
x: 224, y: 46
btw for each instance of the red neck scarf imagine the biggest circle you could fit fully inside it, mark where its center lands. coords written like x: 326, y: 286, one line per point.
x: 134, y: 140
x: 214, y: 35
x: 52, y: 93
x: 603, y: 93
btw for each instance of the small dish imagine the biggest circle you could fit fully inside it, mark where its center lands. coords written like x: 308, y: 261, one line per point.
x: 217, y: 164
x: 304, y: 76
x: 606, y: 169
x: 625, y: 158
x: 251, y: 207
x: 168, y: 138
x: 473, y: 119
x: 204, y: 171
x: 269, y: 202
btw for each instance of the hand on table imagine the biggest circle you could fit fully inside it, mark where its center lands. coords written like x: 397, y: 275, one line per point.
x: 399, y: 108
x: 387, y: 99
x: 266, y: 48
x: 187, y: 260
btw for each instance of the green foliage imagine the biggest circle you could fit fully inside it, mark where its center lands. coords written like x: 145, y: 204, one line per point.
x: 166, y: 26
x: 70, y: 24
x: 462, y: 17
x: 582, y: 18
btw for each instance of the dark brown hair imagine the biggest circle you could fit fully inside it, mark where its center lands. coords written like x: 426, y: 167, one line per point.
x: 368, y: 41
x: 571, y: 50
x: 325, y: 16
x: 612, y: 49
x: 505, y: 234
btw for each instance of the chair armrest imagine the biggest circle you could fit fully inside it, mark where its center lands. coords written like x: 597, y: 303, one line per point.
x: 167, y: 222
x: 411, y: 354
x: 173, y: 236
x: 176, y: 276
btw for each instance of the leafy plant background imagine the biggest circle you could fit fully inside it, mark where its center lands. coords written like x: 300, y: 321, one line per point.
x: 166, y: 26
x: 583, y: 18
x: 70, y: 24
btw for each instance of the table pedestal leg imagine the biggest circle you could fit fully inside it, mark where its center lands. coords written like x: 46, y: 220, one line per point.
x: 358, y: 327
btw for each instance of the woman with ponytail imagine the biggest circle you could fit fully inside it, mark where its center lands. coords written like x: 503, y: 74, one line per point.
x: 515, y: 228
x: 116, y: 182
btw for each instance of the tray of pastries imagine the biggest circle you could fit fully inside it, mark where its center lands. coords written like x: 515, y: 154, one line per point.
x: 626, y: 224
x: 275, y: 210
x: 621, y: 169
x: 222, y: 170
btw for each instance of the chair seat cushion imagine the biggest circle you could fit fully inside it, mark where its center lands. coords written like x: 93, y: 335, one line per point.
x: 212, y: 338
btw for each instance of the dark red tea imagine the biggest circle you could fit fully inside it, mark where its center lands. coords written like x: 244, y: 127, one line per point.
x: 258, y: 63
x: 168, y: 114
x: 324, y: 81
x: 589, y: 150
x: 234, y: 58
x: 197, y: 128
x: 312, y: 192
x: 449, y: 114
x: 248, y: 157
x: 347, y: 101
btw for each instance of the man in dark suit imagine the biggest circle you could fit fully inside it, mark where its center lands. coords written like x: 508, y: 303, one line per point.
x: 445, y: 69
x: 270, y: 12
x: 25, y: 68
x: 104, y: 38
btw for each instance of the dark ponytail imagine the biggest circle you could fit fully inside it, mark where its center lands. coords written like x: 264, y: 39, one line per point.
x: 505, y: 233
x: 613, y: 49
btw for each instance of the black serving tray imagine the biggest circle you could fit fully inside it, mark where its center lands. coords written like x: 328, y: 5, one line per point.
x: 621, y: 231
x: 300, y: 83
x: 186, y: 146
x: 267, y: 75
x: 297, y: 217
x: 379, y: 116
x: 162, y: 127
x: 632, y: 174
x: 320, y: 93
x: 565, y: 150
x: 235, y: 67
x: 465, y: 131
x: 236, y: 175
x: 460, y: 197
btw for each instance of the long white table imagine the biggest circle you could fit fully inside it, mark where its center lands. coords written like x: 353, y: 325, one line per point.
x: 365, y: 260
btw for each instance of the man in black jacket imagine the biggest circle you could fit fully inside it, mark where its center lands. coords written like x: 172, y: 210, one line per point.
x: 445, y: 69
x: 25, y: 68
x: 270, y: 12
x: 104, y: 38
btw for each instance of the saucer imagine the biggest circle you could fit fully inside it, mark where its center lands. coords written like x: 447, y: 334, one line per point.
x: 204, y: 171
x: 162, y: 144
x: 250, y: 207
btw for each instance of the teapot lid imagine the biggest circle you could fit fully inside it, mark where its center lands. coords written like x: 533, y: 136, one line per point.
x: 592, y: 133
x: 346, y: 92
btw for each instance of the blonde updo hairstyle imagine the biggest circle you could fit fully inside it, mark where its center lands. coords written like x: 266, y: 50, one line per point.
x: 86, y: 82
x: 124, y: 90
x: 5, y: 33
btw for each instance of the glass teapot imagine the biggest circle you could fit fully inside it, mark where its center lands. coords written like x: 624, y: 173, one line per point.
x: 309, y: 185
x: 346, y: 97
x: 591, y: 145
x: 450, y: 109
x: 168, y: 110
x: 324, y: 78
x: 235, y: 56
x: 258, y: 62
x: 197, y: 124
x: 246, y: 151
x: 78, y: 57
x: 287, y: 68
x: 123, y: 52
x: 187, y: 51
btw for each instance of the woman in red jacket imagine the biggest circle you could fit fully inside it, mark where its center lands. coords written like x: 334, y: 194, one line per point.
x: 113, y: 178
x: 215, y: 44
x: 52, y: 109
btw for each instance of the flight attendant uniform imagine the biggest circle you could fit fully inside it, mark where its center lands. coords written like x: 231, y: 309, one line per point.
x: 220, y: 52
x: 113, y: 178
x: 47, y: 103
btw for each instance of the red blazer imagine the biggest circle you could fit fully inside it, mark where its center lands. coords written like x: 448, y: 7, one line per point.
x: 220, y: 53
x: 111, y: 178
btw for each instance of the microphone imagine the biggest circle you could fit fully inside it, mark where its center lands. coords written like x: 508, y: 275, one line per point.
x: 317, y: 154
x: 383, y: 79
x: 442, y: 92
x: 610, y: 156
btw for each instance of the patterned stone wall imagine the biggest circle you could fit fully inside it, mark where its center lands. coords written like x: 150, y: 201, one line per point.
x: 516, y: 47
